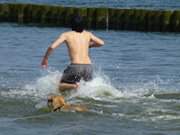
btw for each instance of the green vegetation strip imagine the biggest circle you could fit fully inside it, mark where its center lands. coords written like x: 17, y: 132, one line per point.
x: 95, y: 18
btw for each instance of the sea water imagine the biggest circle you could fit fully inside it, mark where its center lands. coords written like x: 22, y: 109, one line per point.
x: 148, y: 4
x: 135, y: 90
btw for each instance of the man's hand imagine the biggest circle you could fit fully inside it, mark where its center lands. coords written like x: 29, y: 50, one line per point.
x: 44, y: 62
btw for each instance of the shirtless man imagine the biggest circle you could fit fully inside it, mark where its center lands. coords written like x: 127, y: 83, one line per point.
x: 78, y: 42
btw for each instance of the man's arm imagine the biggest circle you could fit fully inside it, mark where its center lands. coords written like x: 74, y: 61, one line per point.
x: 95, y: 41
x: 54, y: 45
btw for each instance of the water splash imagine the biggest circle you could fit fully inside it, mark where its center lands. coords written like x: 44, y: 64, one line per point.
x: 39, y: 88
x: 100, y: 88
x: 104, y: 97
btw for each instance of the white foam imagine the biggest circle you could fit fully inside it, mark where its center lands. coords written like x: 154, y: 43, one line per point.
x: 45, y: 84
x: 100, y: 88
x: 158, y: 118
x: 39, y: 88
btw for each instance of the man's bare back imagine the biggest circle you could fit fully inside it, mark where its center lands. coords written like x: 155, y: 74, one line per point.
x: 78, y: 44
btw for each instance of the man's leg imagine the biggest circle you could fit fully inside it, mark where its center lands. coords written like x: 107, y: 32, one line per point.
x: 70, y: 79
x: 68, y: 86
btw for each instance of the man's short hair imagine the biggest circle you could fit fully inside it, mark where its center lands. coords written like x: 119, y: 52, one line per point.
x: 77, y: 23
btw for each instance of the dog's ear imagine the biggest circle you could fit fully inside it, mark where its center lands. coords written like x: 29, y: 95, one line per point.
x: 50, y: 102
x: 50, y: 97
x: 58, y: 103
x: 55, y: 103
x: 62, y: 100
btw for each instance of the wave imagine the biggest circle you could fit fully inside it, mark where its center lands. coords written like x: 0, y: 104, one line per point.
x: 100, y: 88
x: 137, y: 102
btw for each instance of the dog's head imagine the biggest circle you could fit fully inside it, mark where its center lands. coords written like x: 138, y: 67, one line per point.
x: 55, y: 102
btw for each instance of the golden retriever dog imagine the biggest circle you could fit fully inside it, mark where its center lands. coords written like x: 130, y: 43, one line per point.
x: 57, y: 103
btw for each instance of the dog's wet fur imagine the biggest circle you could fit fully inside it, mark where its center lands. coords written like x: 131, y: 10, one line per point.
x: 57, y: 103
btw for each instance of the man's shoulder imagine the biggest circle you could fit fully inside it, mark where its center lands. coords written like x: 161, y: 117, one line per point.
x: 87, y: 32
x: 66, y: 33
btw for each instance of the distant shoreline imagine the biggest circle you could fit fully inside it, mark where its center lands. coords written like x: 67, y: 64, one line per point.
x: 96, y: 18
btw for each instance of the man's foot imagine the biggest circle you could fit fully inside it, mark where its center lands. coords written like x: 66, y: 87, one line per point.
x: 77, y: 85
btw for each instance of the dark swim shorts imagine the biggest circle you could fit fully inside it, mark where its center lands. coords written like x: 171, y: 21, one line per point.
x: 75, y: 72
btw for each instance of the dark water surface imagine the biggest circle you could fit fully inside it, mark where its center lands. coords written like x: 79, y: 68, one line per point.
x: 136, y: 89
x: 152, y: 4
